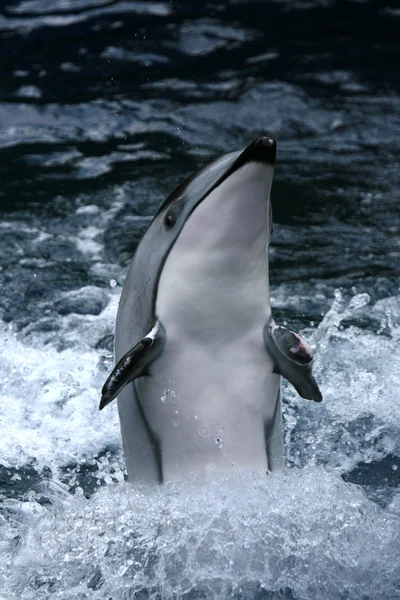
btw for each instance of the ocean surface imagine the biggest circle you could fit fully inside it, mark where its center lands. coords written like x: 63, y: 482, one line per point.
x: 105, y: 106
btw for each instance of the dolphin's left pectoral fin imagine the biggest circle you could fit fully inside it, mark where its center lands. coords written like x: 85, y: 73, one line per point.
x: 292, y: 358
x: 132, y: 365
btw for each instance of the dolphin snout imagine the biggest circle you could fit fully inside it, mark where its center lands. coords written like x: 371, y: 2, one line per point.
x: 262, y: 150
x: 265, y: 149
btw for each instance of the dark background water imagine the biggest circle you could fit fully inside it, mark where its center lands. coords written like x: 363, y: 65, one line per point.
x: 100, y: 94
x: 104, y: 107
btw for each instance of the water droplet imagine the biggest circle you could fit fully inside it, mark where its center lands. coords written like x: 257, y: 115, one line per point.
x: 359, y: 301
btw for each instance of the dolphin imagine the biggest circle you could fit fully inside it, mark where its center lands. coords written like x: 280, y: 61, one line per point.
x: 198, y: 356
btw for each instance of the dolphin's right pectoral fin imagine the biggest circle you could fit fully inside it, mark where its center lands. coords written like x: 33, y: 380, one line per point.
x: 133, y: 364
x: 292, y: 358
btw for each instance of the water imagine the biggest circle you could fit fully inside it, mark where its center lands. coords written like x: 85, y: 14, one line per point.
x: 104, y: 108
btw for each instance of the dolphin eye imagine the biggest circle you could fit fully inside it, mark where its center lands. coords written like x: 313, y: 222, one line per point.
x: 169, y: 221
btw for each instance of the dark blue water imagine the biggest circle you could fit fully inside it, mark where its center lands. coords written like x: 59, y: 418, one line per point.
x: 104, y: 107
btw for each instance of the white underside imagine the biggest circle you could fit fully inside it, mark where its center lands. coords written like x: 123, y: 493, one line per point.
x: 209, y: 405
x: 212, y: 395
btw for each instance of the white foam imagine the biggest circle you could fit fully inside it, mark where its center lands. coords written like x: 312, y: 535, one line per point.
x: 49, y: 405
x: 86, y: 241
x: 306, y: 534
x: 89, y: 209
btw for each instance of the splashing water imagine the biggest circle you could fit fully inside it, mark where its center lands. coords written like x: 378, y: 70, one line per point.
x: 300, y: 534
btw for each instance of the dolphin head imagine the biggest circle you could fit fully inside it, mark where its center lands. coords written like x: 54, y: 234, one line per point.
x: 226, y: 195
x: 210, y: 224
x: 220, y: 222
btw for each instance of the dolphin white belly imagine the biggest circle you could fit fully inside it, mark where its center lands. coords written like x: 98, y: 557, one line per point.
x: 212, y: 405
